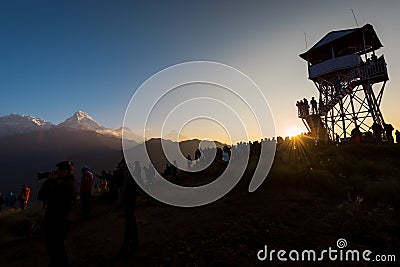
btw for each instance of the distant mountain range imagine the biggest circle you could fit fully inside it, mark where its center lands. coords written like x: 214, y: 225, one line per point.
x: 18, y: 124
x: 21, y: 124
x: 30, y: 145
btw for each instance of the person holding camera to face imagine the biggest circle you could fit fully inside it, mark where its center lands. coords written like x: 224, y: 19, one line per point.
x: 57, y: 194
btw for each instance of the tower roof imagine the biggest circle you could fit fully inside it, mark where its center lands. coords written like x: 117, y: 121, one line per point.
x: 344, y: 42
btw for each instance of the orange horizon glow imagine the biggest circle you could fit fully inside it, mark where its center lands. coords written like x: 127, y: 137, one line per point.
x: 293, y: 131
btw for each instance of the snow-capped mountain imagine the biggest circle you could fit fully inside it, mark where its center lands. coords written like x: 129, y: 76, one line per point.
x: 82, y: 121
x: 18, y: 124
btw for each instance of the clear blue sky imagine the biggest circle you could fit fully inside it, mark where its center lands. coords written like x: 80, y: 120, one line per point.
x: 57, y: 57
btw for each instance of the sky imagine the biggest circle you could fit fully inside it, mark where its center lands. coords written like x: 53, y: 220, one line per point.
x: 57, y: 57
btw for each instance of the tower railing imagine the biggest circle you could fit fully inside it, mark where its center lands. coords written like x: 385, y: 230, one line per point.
x: 372, y: 69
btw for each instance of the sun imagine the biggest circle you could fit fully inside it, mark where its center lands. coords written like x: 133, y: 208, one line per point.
x: 293, y: 131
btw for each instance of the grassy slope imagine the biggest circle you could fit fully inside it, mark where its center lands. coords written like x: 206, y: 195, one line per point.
x: 312, y: 197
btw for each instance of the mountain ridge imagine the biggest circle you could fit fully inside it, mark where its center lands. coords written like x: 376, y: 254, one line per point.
x: 13, y: 124
x: 83, y: 121
x: 17, y: 124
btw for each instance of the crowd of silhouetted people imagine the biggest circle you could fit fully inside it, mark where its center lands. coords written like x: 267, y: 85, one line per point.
x: 379, y: 134
x: 60, y: 191
x: 303, y: 107
x: 219, y: 154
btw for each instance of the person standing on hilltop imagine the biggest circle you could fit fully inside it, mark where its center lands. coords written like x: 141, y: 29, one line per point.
x: 397, y: 134
x: 356, y: 135
x: 377, y: 132
x: 388, y: 132
x: 313, y: 103
x: 86, y: 190
x: 24, y: 197
x: 57, y: 194
x: 130, y: 192
x: 226, y: 154
x: 306, y: 107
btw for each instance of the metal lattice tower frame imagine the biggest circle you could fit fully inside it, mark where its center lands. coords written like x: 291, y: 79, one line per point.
x: 350, y: 83
x: 352, y: 100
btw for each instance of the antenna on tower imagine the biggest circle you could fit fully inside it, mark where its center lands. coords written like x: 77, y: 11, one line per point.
x: 352, y: 11
x: 305, y: 40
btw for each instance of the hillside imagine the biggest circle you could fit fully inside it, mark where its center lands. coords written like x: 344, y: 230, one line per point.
x: 313, y: 196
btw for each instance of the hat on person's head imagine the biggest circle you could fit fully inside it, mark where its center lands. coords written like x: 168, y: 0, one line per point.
x: 85, y: 169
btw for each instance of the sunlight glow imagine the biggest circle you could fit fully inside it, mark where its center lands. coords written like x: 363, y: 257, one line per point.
x: 293, y: 131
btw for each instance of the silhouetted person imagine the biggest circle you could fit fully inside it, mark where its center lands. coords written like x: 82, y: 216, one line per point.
x: 388, y: 132
x: 149, y: 172
x: 356, y: 135
x: 279, y: 140
x: 226, y: 155
x: 130, y: 192
x: 86, y: 190
x: 189, y: 161
x: 320, y: 104
x: 218, y: 154
x: 197, y: 154
x: 57, y: 193
x: 306, y: 107
x: 168, y: 169
x: 118, y: 182
x: 337, y: 137
x: 377, y: 131
x: 313, y: 103
x: 24, y: 197
x: 301, y: 108
x: 397, y: 133
x: 299, y: 114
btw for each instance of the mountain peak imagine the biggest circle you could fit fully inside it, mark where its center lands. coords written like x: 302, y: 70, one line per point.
x: 81, y: 120
x: 81, y: 115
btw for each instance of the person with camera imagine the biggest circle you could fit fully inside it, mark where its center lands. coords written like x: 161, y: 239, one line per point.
x: 57, y: 194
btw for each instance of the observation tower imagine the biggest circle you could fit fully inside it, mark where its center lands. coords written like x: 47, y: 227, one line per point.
x: 350, y: 78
